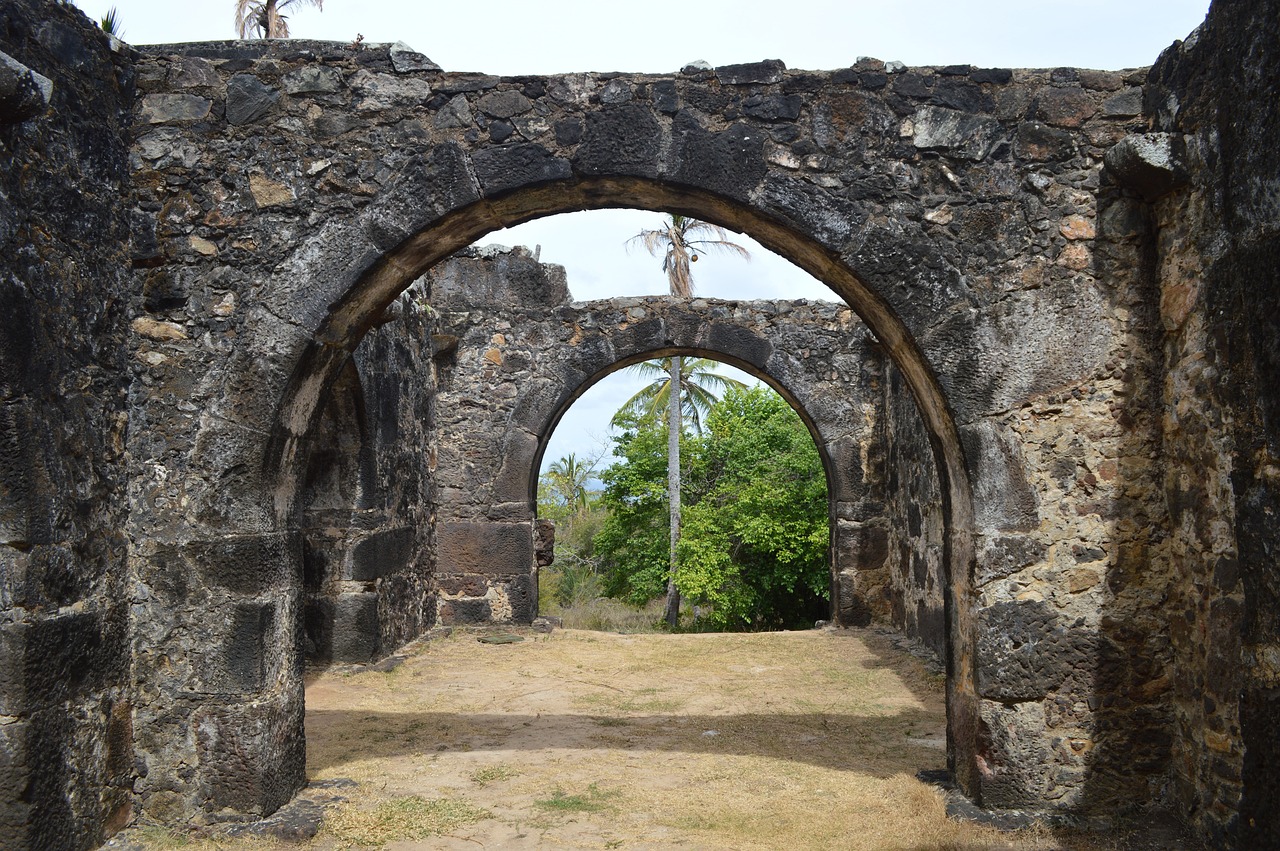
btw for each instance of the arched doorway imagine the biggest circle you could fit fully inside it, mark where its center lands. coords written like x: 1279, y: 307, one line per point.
x: 360, y: 306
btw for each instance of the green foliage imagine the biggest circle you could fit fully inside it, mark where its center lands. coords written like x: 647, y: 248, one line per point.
x: 699, y: 386
x: 753, y: 549
x: 564, y: 484
x: 754, y: 543
x: 633, y: 543
x: 110, y: 23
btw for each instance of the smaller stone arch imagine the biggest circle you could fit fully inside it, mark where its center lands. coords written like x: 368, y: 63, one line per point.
x: 520, y: 353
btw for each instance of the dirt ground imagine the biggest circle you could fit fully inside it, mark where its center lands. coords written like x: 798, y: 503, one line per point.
x: 596, y: 740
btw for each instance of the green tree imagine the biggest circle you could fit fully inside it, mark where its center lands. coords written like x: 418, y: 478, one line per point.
x: 632, y: 544
x: 567, y: 481
x: 264, y: 18
x: 700, y: 388
x: 754, y: 548
x: 678, y: 241
x: 563, y: 496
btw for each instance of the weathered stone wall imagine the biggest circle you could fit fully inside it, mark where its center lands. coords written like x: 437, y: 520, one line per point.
x: 1216, y: 207
x: 66, y: 739
x: 914, y: 598
x: 516, y: 353
x: 368, y: 521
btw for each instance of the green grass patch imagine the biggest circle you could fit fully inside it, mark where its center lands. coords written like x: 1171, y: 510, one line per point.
x: 592, y: 801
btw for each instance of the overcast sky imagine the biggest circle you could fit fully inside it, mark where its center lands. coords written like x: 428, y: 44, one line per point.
x: 525, y: 37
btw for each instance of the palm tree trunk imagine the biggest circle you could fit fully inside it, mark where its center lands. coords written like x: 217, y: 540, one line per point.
x: 672, y: 613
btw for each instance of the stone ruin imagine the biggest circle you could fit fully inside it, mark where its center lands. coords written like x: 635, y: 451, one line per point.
x: 256, y: 408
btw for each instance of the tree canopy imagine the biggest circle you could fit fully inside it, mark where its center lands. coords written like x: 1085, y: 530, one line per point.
x: 753, y: 549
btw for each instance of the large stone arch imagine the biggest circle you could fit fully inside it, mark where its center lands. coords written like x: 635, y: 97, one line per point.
x: 373, y: 288
x: 962, y: 213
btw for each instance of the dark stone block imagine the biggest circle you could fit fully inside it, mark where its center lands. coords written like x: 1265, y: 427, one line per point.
x: 1003, y: 497
x: 742, y: 343
x: 1039, y: 142
x: 768, y: 71
x: 56, y: 659
x: 568, y: 131
x: 912, y: 85
x: 500, y: 170
x: 665, y: 96
x: 523, y: 600
x: 500, y: 131
x: 252, y: 757
x: 999, y: 76
x: 250, y: 565
x: 1064, y: 107
x: 248, y: 99
x: 773, y: 108
x: 54, y: 824
x: 15, y: 812
x: 489, y: 549
x: 624, y: 139
x: 146, y: 248
x: 729, y: 162
x: 1005, y: 556
x: 1024, y: 651
x: 1149, y: 163
x: 862, y: 546
x: 356, y: 629
x: 464, y: 612
x: 852, y: 607
x: 962, y: 94
x: 381, y: 554
x: 644, y: 336
x: 244, y: 654
x: 516, y: 476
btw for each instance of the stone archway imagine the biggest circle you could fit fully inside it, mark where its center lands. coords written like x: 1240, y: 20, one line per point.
x: 958, y: 211
x: 507, y: 323
x: 395, y: 270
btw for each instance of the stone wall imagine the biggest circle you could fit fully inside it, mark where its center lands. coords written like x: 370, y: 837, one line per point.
x: 1216, y: 206
x: 66, y: 736
x: 915, y: 595
x: 295, y: 189
x: 368, y: 516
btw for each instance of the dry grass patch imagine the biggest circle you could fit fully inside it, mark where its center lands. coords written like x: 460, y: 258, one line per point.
x: 397, y: 819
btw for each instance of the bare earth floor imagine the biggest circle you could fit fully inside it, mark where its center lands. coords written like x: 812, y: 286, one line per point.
x: 594, y: 740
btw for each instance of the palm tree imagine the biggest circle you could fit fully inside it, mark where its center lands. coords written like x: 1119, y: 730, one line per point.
x: 568, y: 479
x: 700, y: 388
x: 678, y: 241
x: 262, y: 18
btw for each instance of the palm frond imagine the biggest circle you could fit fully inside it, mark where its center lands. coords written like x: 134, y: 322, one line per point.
x: 672, y: 241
